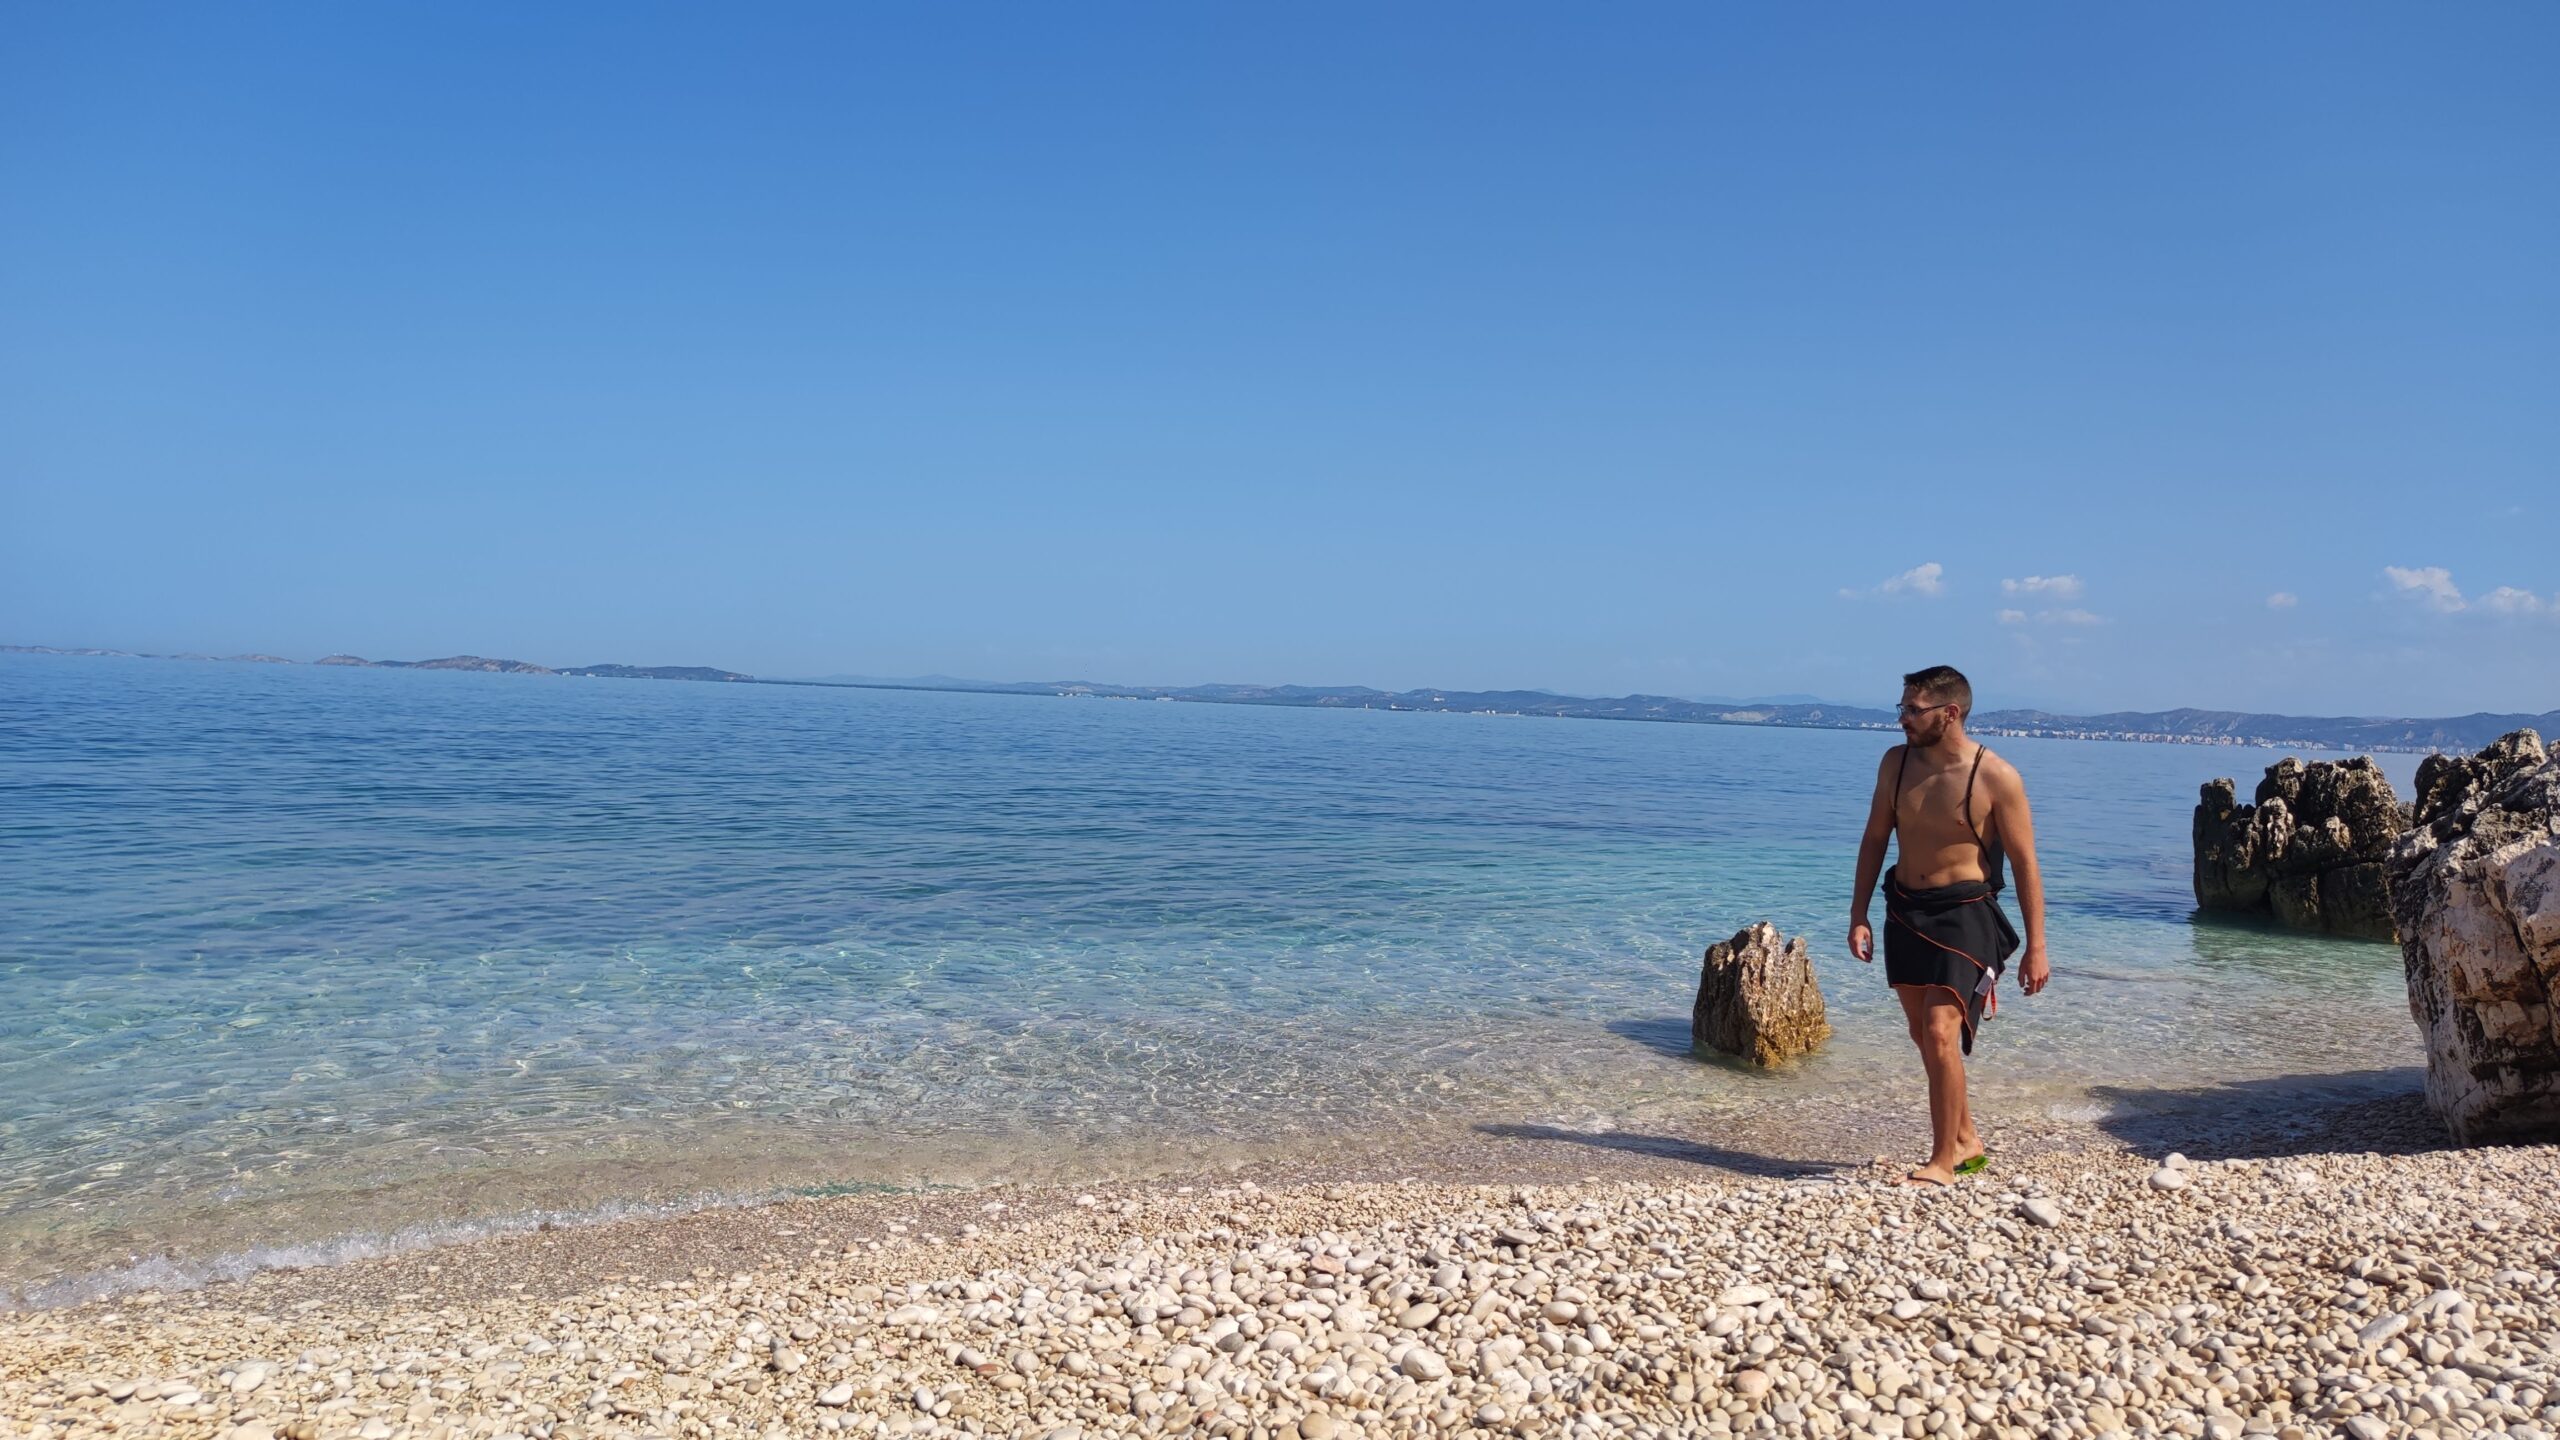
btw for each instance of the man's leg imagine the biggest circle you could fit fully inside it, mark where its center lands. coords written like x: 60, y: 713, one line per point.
x: 1937, y: 1029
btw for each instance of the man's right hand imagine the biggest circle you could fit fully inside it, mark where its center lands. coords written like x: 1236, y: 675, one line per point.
x: 1862, y: 941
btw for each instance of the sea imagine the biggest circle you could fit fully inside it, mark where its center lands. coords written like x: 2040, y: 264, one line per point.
x: 301, y: 964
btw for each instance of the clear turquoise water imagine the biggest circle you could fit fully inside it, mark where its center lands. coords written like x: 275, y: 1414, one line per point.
x: 301, y: 958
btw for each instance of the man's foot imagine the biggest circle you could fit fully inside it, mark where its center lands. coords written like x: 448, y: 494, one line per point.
x: 1938, y: 1175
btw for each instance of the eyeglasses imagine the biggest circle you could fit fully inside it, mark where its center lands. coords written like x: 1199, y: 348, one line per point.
x: 1909, y: 711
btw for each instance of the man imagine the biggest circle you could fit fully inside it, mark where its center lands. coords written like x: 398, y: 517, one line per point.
x: 1959, y: 810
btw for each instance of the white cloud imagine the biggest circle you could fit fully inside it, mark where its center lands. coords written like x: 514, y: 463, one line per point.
x: 2013, y: 617
x: 2050, y: 587
x: 2429, y: 585
x: 1918, y: 580
x: 1926, y: 581
x: 2283, y: 600
x: 2051, y: 617
x: 2432, y: 587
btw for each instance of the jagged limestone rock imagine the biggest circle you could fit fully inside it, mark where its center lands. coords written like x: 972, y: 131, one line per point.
x: 1757, y: 998
x: 2446, y: 782
x: 2310, y: 850
x: 2228, y: 875
x: 2475, y: 887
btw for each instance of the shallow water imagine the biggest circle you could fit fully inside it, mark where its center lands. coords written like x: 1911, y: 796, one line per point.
x: 295, y: 954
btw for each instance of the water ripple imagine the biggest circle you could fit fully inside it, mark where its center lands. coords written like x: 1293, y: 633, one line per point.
x: 290, y: 946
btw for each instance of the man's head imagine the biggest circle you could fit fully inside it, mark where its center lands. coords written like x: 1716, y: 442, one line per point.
x: 1935, y: 703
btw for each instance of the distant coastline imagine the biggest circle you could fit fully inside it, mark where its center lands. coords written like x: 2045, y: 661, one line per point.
x: 449, y: 662
x: 2170, y: 727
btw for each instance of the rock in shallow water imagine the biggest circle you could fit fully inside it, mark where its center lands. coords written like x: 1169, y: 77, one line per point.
x: 1757, y: 998
x: 2310, y: 851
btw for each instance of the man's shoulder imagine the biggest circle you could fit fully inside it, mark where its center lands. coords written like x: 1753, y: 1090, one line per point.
x: 1996, y: 768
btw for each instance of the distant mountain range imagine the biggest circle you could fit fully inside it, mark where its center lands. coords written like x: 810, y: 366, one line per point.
x: 2185, y: 727
x: 1200, y: 692
x: 521, y: 667
x: 449, y: 662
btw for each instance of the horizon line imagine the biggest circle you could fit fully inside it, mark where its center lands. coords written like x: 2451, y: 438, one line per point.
x: 947, y: 684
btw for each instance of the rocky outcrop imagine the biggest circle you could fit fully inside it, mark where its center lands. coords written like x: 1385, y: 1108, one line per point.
x: 2475, y: 888
x: 1757, y: 998
x: 2448, y: 782
x: 2309, y: 851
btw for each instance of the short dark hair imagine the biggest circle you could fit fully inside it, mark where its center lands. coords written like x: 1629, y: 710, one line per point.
x: 1944, y: 684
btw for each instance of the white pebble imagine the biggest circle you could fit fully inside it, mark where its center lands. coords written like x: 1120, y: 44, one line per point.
x: 2376, y: 1333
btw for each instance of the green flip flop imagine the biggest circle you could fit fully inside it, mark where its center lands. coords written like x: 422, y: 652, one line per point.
x: 1976, y: 1165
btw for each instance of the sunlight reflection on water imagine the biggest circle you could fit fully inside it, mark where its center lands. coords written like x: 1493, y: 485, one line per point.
x: 293, y: 949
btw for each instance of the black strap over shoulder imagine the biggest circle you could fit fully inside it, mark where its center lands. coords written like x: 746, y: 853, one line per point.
x: 1995, y: 862
x: 1979, y: 750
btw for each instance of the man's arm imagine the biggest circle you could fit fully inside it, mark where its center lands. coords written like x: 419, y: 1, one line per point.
x: 1862, y: 937
x: 2016, y: 827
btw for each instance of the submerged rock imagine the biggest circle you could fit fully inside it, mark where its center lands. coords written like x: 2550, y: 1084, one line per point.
x: 2310, y: 851
x: 1757, y: 998
x: 2475, y: 888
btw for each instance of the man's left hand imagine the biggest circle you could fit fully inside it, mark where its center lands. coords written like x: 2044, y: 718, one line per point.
x: 2036, y: 971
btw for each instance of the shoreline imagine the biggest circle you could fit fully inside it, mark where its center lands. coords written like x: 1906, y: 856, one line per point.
x: 691, y: 1324
x: 1788, y: 1136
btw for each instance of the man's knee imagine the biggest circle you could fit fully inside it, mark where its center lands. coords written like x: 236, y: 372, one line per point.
x: 1940, y: 1027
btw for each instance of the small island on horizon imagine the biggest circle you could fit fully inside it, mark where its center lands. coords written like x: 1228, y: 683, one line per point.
x: 2184, y: 726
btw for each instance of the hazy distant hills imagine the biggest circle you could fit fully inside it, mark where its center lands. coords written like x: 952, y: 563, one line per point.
x: 449, y: 662
x: 658, y: 672
x: 521, y: 667
x: 2233, y: 727
x: 2186, y: 727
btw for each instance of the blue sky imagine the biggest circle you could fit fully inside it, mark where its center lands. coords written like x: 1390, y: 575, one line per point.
x: 2127, y: 357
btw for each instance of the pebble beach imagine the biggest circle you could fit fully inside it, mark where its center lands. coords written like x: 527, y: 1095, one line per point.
x: 2294, y: 1287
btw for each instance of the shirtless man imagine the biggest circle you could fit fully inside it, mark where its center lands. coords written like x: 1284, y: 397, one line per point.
x: 1958, y: 809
